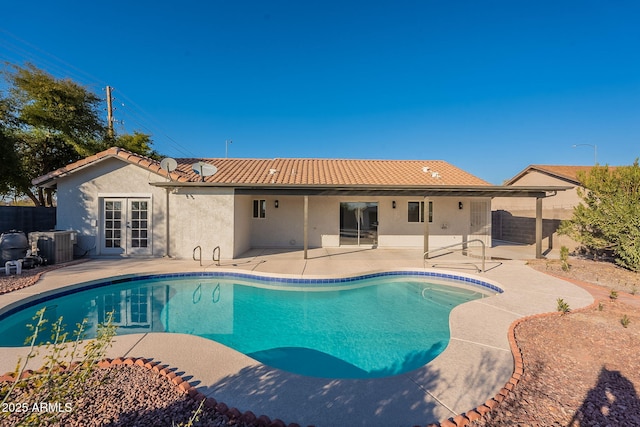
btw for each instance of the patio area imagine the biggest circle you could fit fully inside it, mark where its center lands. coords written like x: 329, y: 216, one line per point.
x: 474, y: 367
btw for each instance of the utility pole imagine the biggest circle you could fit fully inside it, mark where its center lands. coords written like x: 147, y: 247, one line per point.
x: 109, y: 112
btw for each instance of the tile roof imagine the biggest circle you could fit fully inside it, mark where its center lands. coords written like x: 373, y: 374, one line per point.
x: 303, y: 172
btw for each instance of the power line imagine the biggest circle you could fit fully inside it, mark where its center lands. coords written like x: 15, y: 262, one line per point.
x: 21, y: 51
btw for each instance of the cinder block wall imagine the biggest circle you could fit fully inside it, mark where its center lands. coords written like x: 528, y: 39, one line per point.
x: 520, y: 227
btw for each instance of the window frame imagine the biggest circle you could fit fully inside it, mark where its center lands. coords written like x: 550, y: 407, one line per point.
x: 259, y: 210
x: 420, y: 211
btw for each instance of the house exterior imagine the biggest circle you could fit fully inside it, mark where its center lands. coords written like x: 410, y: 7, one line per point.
x: 123, y: 204
x: 514, y: 218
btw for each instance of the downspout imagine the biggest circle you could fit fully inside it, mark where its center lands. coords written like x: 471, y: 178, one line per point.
x: 305, y: 237
x: 166, y: 223
x: 425, y: 217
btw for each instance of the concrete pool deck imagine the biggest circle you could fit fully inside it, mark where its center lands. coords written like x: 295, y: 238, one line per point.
x: 473, y: 368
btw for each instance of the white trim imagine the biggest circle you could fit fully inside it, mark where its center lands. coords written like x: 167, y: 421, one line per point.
x: 127, y: 195
x: 126, y: 198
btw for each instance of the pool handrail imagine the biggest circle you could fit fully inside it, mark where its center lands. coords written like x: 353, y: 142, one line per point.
x: 425, y: 256
x: 217, y: 260
x: 199, y: 254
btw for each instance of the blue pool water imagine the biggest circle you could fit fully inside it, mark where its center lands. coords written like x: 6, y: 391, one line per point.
x: 366, y: 328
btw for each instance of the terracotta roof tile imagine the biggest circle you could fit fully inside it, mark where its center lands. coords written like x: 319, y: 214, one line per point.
x: 336, y: 172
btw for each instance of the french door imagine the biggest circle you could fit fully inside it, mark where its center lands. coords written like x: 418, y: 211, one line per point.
x: 126, y: 226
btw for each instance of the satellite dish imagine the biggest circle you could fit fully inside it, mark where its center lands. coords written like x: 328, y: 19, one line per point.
x: 204, y: 169
x: 169, y: 164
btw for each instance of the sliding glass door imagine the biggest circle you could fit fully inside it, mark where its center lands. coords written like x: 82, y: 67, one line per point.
x: 358, y: 223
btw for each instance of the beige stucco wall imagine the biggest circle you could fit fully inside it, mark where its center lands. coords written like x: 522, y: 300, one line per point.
x: 562, y: 201
x: 79, y: 199
x: 283, y: 226
x: 201, y: 217
x: 242, y: 225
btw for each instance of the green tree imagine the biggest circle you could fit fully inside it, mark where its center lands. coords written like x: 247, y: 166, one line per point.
x: 138, y: 143
x: 47, y: 123
x: 58, y: 107
x: 608, y: 218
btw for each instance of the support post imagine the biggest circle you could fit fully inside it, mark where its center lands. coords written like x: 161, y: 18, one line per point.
x: 306, y: 225
x: 425, y: 218
x: 538, y: 227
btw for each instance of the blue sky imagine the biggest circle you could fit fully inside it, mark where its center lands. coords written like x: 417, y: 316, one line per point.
x: 489, y: 86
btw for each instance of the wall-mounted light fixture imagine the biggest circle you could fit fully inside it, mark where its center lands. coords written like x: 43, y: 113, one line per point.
x: 393, y: 204
x: 276, y: 203
x: 459, y: 205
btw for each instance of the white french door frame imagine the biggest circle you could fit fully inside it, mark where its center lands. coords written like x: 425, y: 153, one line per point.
x: 125, y: 224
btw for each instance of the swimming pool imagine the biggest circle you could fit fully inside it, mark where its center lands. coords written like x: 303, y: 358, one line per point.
x: 368, y: 326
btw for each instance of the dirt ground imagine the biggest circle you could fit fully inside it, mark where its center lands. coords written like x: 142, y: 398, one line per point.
x: 581, y: 368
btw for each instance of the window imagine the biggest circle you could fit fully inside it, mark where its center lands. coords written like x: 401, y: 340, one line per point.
x: 416, y: 212
x: 259, y: 208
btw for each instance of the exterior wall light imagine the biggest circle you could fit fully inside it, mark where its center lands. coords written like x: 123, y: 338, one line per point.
x: 276, y: 203
x: 459, y: 205
x: 393, y: 204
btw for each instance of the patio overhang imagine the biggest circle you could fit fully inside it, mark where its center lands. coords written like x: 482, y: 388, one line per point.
x: 373, y: 190
x: 537, y: 192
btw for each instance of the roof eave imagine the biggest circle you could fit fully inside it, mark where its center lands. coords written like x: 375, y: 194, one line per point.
x: 328, y: 189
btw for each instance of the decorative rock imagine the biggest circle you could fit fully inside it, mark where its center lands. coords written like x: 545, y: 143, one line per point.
x: 222, y: 408
x: 483, y: 409
x: 26, y: 374
x: 473, y: 415
x: 234, y: 413
x: 7, y: 378
x: 491, y: 403
x: 461, y: 420
x: 186, y: 387
x: 248, y: 417
x: 211, y: 403
x: 263, y: 421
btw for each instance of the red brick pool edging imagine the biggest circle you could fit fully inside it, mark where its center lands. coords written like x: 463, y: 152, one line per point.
x: 247, y: 417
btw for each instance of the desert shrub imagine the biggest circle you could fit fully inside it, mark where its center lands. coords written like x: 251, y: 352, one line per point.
x: 564, y: 258
x: 607, y: 221
x: 65, y: 376
x: 563, y: 307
